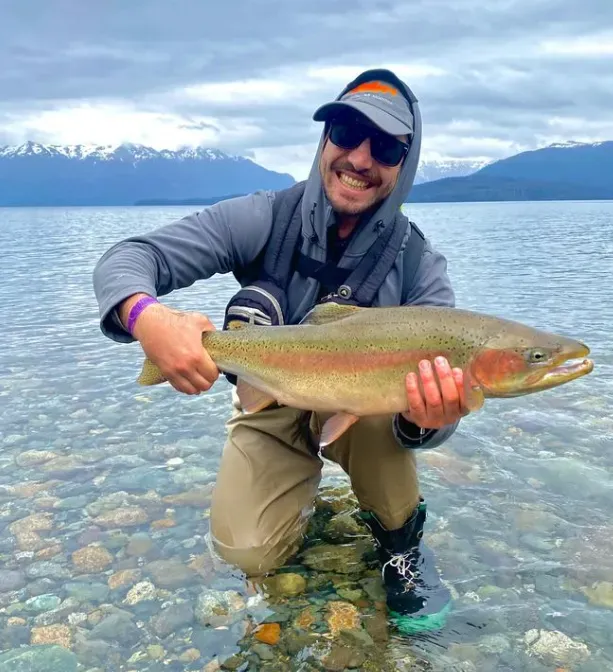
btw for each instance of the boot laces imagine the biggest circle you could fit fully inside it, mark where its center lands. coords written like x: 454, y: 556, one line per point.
x: 403, y: 564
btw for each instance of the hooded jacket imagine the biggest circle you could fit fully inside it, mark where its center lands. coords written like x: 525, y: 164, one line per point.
x: 230, y: 235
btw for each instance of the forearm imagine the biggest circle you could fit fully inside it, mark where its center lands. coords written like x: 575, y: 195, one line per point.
x: 215, y: 240
x: 122, y: 276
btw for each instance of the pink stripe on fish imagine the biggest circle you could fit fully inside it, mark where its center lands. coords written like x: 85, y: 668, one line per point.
x: 347, y: 361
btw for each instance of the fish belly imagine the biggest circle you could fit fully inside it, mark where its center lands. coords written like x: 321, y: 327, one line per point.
x: 370, y: 393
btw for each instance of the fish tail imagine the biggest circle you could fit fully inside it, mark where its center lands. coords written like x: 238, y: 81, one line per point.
x: 150, y: 374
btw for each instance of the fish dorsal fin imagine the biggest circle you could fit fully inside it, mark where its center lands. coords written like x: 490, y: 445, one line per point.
x: 237, y: 324
x: 323, y: 313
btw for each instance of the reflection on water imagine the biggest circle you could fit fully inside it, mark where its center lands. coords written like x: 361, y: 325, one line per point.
x: 105, y: 487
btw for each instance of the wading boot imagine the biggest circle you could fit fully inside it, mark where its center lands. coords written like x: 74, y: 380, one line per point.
x: 417, y: 599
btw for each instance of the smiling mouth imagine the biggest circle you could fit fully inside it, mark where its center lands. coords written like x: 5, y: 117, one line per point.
x: 352, y: 182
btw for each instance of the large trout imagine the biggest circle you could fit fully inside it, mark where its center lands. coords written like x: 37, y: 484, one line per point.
x: 353, y: 361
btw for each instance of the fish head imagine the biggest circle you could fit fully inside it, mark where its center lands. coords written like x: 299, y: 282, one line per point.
x: 520, y: 360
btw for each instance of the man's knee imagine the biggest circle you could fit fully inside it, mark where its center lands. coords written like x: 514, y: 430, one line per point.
x: 257, y: 560
x: 256, y: 549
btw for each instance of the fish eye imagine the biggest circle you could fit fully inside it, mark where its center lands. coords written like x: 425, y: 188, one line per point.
x: 537, y: 355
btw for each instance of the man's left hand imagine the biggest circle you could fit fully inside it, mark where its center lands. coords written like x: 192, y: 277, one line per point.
x: 443, y: 399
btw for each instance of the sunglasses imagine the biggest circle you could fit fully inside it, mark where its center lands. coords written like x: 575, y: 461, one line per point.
x: 384, y: 148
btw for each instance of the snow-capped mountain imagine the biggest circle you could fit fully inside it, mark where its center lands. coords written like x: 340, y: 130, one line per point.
x: 560, y: 171
x: 586, y: 163
x: 122, y: 152
x: 40, y: 174
x: 436, y: 169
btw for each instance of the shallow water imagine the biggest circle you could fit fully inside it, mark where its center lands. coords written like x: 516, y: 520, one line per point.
x: 519, y: 500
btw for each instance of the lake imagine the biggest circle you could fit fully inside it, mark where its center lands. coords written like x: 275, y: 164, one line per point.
x: 104, y: 486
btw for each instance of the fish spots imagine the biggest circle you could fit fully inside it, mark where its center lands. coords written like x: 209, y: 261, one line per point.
x: 338, y: 361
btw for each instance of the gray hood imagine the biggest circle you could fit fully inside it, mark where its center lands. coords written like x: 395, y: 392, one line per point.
x: 317, y: 213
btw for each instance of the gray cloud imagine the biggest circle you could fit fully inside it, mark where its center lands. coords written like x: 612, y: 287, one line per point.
x: 497, y: 84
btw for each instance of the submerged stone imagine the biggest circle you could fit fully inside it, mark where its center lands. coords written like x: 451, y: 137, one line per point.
x: 42, y: 658
x: 330, y: 558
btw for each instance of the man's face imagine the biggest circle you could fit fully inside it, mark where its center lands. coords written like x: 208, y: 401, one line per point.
x: 353, y: 180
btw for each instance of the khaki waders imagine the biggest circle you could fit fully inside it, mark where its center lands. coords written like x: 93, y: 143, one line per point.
x: 268, y: 480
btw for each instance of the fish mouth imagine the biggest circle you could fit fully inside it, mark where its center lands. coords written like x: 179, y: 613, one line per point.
x: 570, y: 366
x: 570, y: 370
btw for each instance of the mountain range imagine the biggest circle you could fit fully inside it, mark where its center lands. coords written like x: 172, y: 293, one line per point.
x: 42, y: 175
x: 561, y: 171
x: 35, y: 174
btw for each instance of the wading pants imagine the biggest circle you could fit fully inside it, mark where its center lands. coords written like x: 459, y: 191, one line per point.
x: 267, y: 482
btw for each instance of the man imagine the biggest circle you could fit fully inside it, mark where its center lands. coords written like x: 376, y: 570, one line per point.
x: 350, y: 205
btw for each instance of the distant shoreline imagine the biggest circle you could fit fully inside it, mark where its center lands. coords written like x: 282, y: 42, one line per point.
x: 34, y: 175
x: 196, y: 203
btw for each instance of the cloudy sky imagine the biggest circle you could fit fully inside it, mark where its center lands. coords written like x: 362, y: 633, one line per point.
x: 492, y: 78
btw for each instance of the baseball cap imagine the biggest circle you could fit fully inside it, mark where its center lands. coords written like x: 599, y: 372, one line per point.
x: 381, y: 102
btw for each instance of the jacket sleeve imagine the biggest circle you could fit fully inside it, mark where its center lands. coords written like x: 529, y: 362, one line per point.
x: 218, y: 239
x: 431, y: 287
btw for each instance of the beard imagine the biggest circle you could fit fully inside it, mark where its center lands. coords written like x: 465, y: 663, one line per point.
x: 344, y: 205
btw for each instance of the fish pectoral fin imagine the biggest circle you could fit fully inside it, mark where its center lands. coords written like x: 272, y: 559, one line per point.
x: 323, y: 313
x: 251, y: 399
x: 473, y: 394
x: 335, y: 426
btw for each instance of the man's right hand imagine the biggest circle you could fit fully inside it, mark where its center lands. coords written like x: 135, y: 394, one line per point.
x: 172, y: 340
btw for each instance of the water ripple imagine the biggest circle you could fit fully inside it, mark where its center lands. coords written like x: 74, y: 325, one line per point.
x: 520, y: 499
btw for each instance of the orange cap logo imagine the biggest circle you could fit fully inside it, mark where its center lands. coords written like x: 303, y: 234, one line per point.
x: 374, y: 87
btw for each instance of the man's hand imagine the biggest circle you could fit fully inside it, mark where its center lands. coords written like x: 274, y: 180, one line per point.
x: 172, y: 339
x: 443, y: 399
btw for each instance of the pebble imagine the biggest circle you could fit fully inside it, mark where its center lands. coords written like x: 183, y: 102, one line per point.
x: 172, y: 618
x: 190, y: 655
x: 123, y: 578
x: 268, y: 633
x: 42, y: 658
x: 155, y: 651
x: 142, y: 591
x: 175, y: 462
x: 263, y: 651
x: 42, y: 603
x: 188, y: 476
x: 92, y: 559
x: 11, y: 580
x: 494, y: 644
x: 170, y: 573
x: 198, y: 497
x: 286, y: 584
x: 32, y: 458
x: 555, y: 648
x: 116, y: 628
x: 215, y: 608
x: 72, y: 503
x: 84, y: 592
x: 52, y: 634
x: 47, y: 569
x: 139, y: 544
x: 330, y: 558
x: 342, y: 658
x: 127, y: 516
x: 342, y: 616
x: 600, y: 593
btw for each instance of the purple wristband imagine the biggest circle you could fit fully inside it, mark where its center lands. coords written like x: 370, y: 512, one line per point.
x: 138, y: 308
